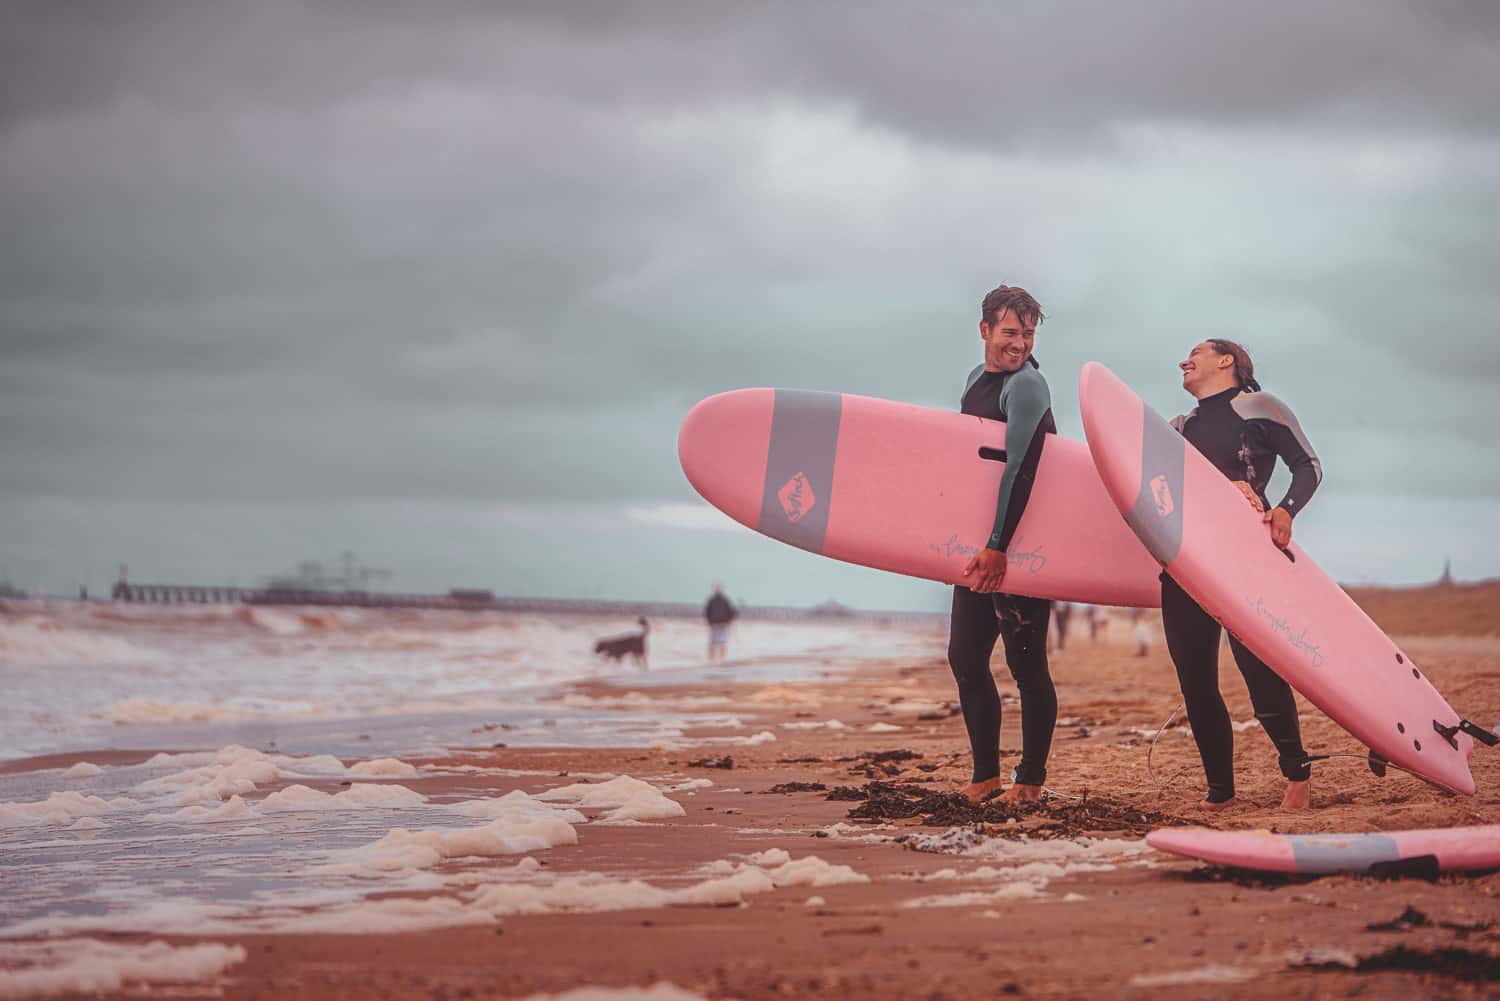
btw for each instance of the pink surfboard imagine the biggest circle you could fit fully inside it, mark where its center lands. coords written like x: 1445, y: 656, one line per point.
x: 1280, y: 604
x: 909, y: 489
x: 1449, y: 849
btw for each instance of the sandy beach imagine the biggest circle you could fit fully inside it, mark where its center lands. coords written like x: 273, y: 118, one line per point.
x: 795, y: 837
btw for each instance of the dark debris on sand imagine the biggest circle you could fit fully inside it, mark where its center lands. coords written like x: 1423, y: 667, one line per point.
x: 798, y: 787
x: 848, y: 794
x: 1051, y: 818
x: 1249, y: 878
x: 724, y: 762
x: 880, y: 764
x: 1453, y: 963
x: 1412, y: 918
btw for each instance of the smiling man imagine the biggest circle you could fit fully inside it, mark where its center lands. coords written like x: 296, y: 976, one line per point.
x: 1008, y: 387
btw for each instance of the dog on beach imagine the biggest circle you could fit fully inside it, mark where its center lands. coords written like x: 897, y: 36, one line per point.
x: 629, y: 644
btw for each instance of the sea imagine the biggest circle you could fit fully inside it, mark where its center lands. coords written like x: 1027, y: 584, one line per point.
x: 281, y: 756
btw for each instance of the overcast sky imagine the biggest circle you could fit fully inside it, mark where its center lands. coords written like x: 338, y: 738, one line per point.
x: 436, y: 282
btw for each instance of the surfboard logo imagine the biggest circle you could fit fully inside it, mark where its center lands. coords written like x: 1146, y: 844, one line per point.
x: 1162, y: 494
x: 797, y: 497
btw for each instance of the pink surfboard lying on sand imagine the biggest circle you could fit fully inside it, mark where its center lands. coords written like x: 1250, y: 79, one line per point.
x: 909, y: 489
x: 1278, y: 603
x: 1417, y: 852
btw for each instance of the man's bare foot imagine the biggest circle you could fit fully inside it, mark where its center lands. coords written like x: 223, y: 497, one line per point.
x: 977, y: 791
x: 1298, y: 795
x: 1209, y: 806
x: 1021, y: 793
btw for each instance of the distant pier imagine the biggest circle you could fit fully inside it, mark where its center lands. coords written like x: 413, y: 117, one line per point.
x: 196, y: 594
x: 470, y: 600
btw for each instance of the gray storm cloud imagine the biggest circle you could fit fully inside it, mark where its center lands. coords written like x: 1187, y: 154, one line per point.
x: 291, y: 253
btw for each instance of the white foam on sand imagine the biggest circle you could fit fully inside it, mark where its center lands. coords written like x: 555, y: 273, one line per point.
x: 813, y: 871
x: 174, y: 916
x: 83, y: 770
x: 383, y: 768
x: 514, y: 804
x: 624, y: 798
x: 384, y: 917
x: 764, y: 737
x: 784, y: 695
x: 1210, y: 974
x: 1028, y: 866
x: 42, y: 969
x: 777, y: 863
x: 978, y: 898
x: 404, y: 851
x: 59, y: 809
x: 232, y: 771
x: 827, y: 724
x: 970, y: 843
x: 883, y: 728
x: 210, y: 777
x: 591, y: 892
x: 234, y: 808
x: 856, y: 832
x: 296, y: 798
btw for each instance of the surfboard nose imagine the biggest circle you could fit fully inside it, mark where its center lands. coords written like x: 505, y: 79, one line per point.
x: 722, y: 448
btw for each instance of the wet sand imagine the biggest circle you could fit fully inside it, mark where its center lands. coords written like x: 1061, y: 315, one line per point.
x: 1132, y: 925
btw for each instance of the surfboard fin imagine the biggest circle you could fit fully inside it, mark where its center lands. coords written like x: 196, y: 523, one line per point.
x: 1377, y: 764
x: 1479, y: 733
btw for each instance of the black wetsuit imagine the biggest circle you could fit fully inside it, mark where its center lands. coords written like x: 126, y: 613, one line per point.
x: 718, y: 611
x: 1241, y: 434
x: 1022, y: 400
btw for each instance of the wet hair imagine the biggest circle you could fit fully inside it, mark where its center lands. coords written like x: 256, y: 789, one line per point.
x: 1244, y: 368
x: 1013, y: 298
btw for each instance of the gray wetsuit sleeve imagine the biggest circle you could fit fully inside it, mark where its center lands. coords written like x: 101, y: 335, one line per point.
x: 1027, y: 404
x: 1284, y: 436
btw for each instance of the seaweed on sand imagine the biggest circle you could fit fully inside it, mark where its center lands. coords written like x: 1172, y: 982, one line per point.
x: 1053, y: 817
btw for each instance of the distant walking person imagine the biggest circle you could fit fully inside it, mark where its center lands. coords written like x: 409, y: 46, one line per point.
x: 1142, y: 633
x: 719, y: 613
x: 1061, y: 612
x: 1094, y: 616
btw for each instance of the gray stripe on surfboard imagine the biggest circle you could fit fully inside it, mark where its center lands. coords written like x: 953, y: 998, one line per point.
x: 1315, y: 854
x: 1157, y: 514
x: 799, y: 467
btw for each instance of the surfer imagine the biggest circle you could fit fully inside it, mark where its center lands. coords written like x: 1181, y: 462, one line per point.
x: 1241, y: 430
x: 1008, y: 387
x: 719, y: 612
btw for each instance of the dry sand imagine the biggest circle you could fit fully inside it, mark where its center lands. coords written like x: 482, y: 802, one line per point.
x: 1162, y: 928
